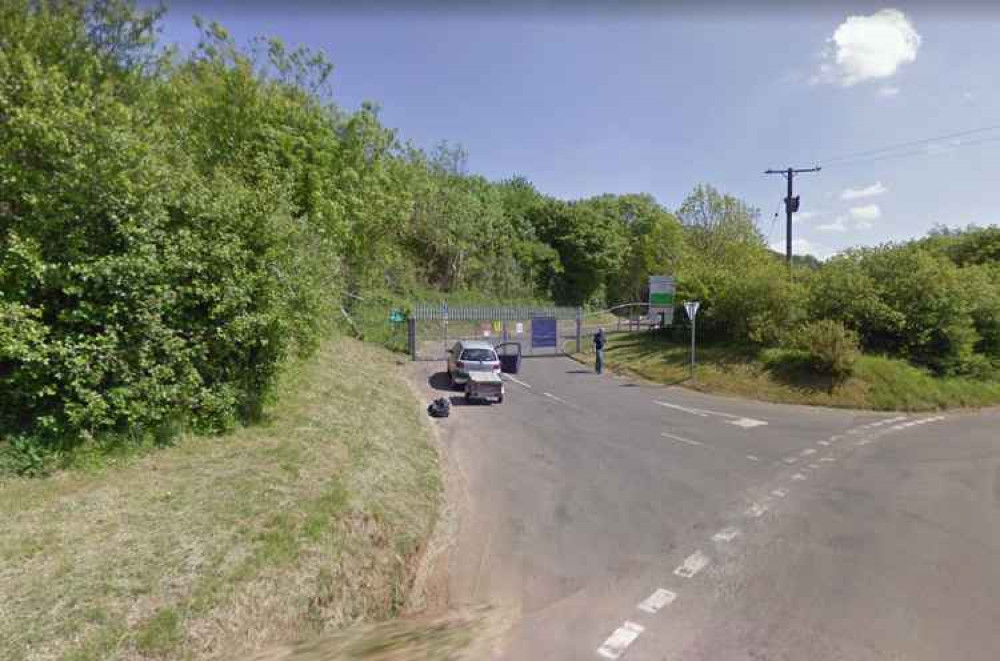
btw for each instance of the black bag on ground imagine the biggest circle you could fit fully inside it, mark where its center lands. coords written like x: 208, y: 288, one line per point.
x: 439, y: 408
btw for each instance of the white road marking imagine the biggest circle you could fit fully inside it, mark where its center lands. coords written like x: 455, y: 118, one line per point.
x: 835, y: 438
x: 737, y: 420
x: 897, y: 427
x: 798, y: 477
x: 618, y: 642
x: 814, y: 466
x: 807, y: 452
x: 726, y: 535
x: 682, y: 440
x: 756, y: 511
x: 790, y: 460
x: 657, y: 600
x: 558, y: 399
x: 823, y: 443
x: 746, y: 423
x: 753, y: 458
x: 693, y: 564
x: 828, y: 459
x: 697, y: 412
x: 519, y: 381
x: 780, y: 493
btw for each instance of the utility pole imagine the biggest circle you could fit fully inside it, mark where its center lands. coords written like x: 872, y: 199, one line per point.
x: 791, y: 206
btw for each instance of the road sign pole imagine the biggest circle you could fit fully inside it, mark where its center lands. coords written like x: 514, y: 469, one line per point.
x: 692, y: 348
x: 691, y: 308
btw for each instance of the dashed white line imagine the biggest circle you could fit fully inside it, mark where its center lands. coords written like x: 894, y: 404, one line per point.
x: 828, y: 459
x: 808, y: 451
x: 798, y: 477
x: 618, y: 642
x: 654, y: 602
x: 746, y: 423
x: 693, y: 564
x: 519, y: 382
x: 726, y: 535
x: 780, y: 493
x: 556, y: 398
x: 790, y: 460
x: 681, y: 439
x: 753, y: 458
x: 823, y: 443
x: 756, y: 510
x: 814, y: 466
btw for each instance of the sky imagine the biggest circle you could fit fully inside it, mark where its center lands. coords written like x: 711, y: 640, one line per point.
x: 588, y: 98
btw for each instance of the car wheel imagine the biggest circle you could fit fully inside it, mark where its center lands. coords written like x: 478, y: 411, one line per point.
x: 499, y: 399
x: 468, y: 397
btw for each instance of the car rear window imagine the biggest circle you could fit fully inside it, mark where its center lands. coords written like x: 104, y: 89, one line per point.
x: 479, y: 355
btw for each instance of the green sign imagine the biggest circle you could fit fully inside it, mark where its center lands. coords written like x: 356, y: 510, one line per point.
x: 397, y: 316
x: 661, y: 298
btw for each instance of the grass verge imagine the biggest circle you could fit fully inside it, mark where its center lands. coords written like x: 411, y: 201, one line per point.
x: 217, y: 547
x: 775, y: 375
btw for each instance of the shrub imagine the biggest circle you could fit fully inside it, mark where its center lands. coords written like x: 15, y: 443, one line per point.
x: 831, y: 347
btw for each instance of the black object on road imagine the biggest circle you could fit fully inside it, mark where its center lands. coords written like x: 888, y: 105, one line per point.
x: 510, y: 357
x: 439, y: 408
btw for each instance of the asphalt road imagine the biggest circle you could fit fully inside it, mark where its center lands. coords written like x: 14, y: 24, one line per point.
x: 628, y: 521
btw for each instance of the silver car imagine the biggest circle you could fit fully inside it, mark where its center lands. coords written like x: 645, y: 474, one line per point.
x: 471, y: 356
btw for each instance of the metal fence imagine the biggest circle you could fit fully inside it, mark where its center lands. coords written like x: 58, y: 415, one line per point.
x: 433, y: 329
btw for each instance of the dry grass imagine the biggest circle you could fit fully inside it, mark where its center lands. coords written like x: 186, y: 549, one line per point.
x: 773, y: 375
x: 218, y: 547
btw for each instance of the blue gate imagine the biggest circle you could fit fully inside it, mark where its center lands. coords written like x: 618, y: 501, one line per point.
x: 544, y: 332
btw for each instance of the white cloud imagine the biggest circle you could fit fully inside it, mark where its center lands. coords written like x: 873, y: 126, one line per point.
x: 836, y: 226
x: 868, y: 48
x: 867, y: 213
x: 888, y: 91
x: 869, y: 191
x: 803, y: 216
x: 862, y: 225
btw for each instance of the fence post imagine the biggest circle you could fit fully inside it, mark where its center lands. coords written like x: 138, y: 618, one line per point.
x: 579, y: 328
x: 411, y: 337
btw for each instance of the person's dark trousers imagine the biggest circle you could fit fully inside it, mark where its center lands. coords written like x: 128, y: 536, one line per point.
x: 600, y: 360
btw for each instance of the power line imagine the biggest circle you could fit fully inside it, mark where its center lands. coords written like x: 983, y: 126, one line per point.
x: 911, y: 143
x: 915, y: 152
x: 774, y: 219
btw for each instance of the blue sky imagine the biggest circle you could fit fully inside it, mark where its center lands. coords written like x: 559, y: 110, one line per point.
x: 584, y: 101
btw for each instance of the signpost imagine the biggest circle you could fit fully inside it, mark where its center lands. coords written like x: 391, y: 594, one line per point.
x: 661, y: 297
x: 691, y: 307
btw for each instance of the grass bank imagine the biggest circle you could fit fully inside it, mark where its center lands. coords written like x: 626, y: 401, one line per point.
x: 775, y: 375
x: 217, y: 547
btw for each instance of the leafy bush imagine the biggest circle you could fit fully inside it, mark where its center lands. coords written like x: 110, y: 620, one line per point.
x: 831, y: 348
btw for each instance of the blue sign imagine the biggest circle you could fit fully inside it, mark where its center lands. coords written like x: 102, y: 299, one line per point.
x: 544, y: 332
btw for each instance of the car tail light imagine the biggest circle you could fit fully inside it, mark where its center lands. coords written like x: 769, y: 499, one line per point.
x: 460, y: 365
x: 496, y: 368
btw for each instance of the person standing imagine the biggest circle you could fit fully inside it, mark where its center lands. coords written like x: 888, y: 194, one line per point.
x: 599, y: 346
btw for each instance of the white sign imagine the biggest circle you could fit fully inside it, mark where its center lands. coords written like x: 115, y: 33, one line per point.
x: 519, y: 328
x: 661, y: 297
x: 691, y: 307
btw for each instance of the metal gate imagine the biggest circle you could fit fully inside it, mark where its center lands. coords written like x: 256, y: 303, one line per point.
x: 542, y: 331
